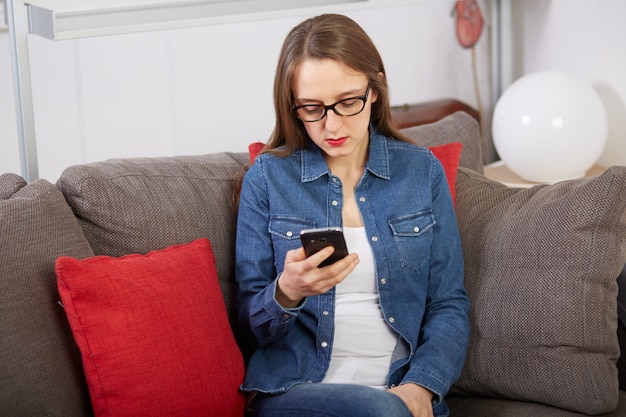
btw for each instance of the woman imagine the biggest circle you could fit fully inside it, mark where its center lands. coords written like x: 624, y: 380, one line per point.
x: 383, y: 331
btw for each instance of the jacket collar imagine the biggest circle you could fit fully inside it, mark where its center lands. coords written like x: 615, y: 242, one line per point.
x: 314, y: 165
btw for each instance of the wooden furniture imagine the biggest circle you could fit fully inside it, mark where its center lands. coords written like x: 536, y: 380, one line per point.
x: 428, y: 112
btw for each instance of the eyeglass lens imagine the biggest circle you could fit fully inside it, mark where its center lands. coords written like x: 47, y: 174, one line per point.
x: 346, y: 107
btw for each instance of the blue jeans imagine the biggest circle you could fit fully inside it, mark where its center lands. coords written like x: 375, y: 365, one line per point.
x: 328, y: 400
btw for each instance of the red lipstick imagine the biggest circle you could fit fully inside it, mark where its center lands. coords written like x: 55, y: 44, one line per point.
x: 337, y: 141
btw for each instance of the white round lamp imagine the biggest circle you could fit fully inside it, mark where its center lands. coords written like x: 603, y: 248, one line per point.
x: 549, y: 126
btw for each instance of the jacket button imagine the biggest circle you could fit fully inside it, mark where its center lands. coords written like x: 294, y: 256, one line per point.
x: 383, y: 281
x: 416, y: 229
x: 324, y: 344
x: 374, y: 238
x: 335, y: 203
x: 391, y: 320
x: 362, y: 199
x: 289, y: 233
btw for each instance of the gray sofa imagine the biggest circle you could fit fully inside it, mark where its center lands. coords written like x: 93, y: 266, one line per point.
x: 541, y: 269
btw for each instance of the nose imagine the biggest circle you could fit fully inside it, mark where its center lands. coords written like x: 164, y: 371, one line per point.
x: 332, y: 121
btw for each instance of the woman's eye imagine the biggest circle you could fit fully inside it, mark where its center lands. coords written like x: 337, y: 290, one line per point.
x: 312, y: 109
x: 348, y: 103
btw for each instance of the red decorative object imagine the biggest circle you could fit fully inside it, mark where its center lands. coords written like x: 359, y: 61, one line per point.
x: 153, y: 333
x: 469, y: 22
x: 469, y: 25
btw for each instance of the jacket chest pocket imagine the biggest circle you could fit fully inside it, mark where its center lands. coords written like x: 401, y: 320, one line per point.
x: 285, y: 232
x: 412, y: 234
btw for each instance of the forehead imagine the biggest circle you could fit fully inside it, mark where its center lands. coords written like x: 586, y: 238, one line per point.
x: 326, y: 78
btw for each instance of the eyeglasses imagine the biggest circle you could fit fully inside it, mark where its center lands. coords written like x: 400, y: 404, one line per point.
x: 346, y: 107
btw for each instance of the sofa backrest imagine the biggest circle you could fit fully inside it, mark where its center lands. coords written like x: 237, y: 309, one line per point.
x: 137, y: 205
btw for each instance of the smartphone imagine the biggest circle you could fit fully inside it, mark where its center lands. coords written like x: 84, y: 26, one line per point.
x: 314, y: 240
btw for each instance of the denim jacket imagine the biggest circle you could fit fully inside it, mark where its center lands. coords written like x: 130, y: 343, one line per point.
x: 410, y: 221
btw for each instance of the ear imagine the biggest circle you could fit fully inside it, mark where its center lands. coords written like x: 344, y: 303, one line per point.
x: 374, y: 93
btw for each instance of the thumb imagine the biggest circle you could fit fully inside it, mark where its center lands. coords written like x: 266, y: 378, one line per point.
x: 295, y: 255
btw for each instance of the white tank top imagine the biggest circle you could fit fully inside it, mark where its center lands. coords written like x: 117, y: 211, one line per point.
x: 363, y: 341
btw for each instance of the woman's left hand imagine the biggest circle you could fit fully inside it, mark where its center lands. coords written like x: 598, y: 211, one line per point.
x: 417, y: 399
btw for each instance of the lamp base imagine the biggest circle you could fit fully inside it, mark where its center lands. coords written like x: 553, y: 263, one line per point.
x: 499, y: 171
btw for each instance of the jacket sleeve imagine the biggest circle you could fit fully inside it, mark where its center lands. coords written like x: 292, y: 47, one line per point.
x: 261, y: 318
x: 444, y: 337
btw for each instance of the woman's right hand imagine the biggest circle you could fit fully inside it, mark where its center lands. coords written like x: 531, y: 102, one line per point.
x: 302, y: 278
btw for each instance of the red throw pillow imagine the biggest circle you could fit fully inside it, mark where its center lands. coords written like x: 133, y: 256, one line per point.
x: 448, y: 154
x: 153, y: 333
x: 254, y: 149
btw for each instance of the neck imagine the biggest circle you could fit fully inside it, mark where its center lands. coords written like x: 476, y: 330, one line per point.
x: 349, y: 166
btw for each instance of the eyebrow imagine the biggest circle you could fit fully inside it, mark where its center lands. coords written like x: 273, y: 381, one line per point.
x: 345, y: 95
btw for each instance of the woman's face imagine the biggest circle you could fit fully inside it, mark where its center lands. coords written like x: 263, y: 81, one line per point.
x: 325, y: 81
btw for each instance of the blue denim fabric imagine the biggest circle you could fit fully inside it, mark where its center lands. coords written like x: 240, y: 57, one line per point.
x: 328, y: 400
x: 409, y: 218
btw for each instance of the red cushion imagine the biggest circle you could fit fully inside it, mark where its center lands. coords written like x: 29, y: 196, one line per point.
x: 254, y: 149
x: 153, y: 333
x: 448, y: 154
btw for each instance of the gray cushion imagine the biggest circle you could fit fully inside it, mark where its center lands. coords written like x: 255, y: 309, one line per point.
x: 40, y: 367
x: 621, y: 363
x: 137, y: 205
x: 541, y: 268
x: 621, y: 298
x: 458, y: 127
x: 485, y: 407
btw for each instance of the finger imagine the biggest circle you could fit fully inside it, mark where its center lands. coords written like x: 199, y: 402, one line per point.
x: 317, y: 258
x: 333, y: 274
x: 295, y: 255
x: 320, y: 280
x: 346, y: 265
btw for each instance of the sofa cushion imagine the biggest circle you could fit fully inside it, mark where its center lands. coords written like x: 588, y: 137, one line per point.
x: 40, y: 368
x: 137, y: 205
x: 541, y: 266
x: 458, y: 127
x: 495, y: 407
x: 153, y: 333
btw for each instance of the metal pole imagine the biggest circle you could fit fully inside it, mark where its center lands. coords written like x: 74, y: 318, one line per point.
x: 18, y: 35
x: 502, y: 47
x: 495, y: 52
x: 506, y: 45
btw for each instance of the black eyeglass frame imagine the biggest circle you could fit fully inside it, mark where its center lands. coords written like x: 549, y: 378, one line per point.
x: 363, y: 98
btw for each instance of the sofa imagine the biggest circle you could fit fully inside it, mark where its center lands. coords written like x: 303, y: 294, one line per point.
x: 117, y: 288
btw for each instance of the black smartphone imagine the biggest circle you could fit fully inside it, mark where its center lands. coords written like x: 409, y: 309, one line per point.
x: 314, y: 240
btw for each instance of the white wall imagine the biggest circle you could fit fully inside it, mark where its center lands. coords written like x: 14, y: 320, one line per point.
x: 201, y: 90
x: 586, y: 38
